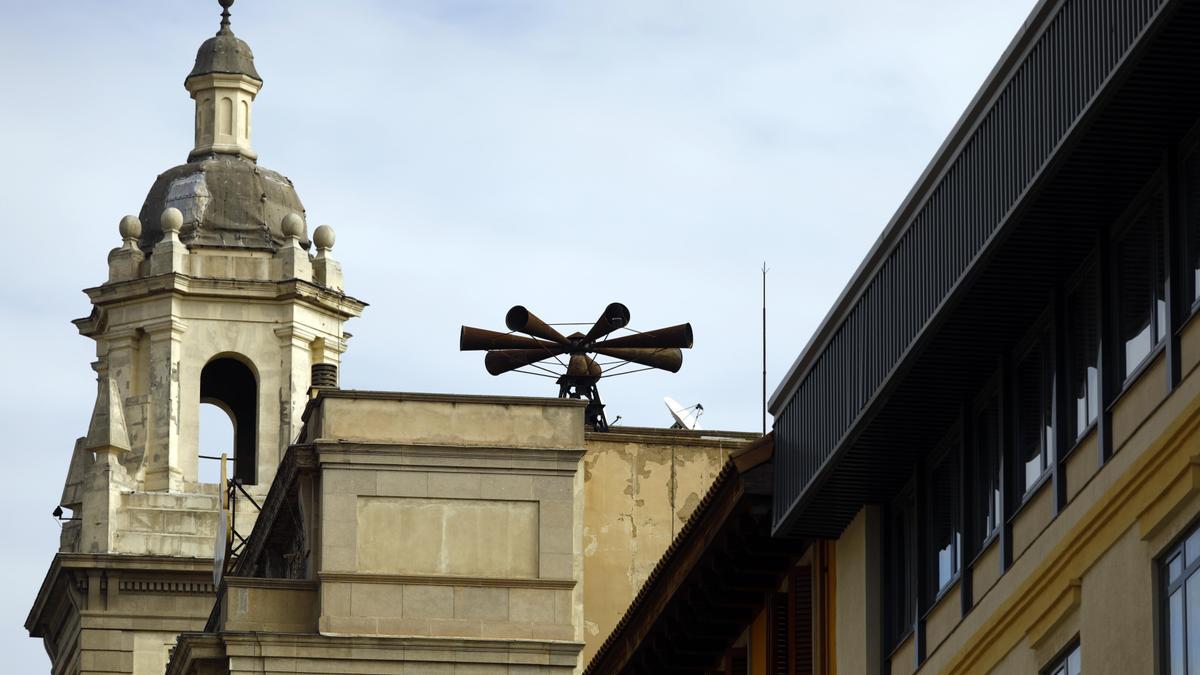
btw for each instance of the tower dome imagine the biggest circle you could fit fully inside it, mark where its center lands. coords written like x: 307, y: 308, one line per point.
x: 224, y: 52
x: 226, y: 198
x: 226, y: 201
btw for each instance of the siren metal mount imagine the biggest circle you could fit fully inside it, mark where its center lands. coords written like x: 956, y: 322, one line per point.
x: 577, y: 376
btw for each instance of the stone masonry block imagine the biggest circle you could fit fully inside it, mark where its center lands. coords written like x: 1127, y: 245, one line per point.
x: 556, y: 566
x: 455, y: 485
x: 504, y: 630
x: 428, y: 602
x: 402, y: 484
x: 552, y: 487
x: 481, y: 604
x: 507, y: 486
x: 531, y: 605
x: 376, y: 600
x: 335, y: 599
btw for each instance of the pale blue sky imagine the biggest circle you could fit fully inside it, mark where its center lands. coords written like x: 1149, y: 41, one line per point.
x: 472, y: 156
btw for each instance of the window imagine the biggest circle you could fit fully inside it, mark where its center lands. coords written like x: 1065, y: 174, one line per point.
x: 1035, y: 410
x: 1179, y: 572
x: 791, y: 628
x: 1191, y: 174
x: 1141, y: 285
x: 1083, y: 351
x: 1067, y: 664
x: 901, y: 559
x: 986, y: 509
x: 945, y: 533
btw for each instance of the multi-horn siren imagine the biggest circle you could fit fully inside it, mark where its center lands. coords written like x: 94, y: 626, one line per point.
x: 576, y: 370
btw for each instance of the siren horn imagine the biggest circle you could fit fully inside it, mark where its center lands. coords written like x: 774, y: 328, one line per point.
x: 522, y: 320
x: 615, y: 316
x: 478, y: 339
x: 503, y: 360
x: 666, y: 358
x: 674, y: 336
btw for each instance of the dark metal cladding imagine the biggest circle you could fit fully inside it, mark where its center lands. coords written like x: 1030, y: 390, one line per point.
x: 477, y: 339
x: 615, y: 316
x: 666, y: 358
x: 522, y: 320
x: 226, y: 201
x: 503, y: 360
x: 1073, y: 123
x: 674, y: 336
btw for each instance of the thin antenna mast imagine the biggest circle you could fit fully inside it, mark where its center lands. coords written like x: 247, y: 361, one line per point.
x: 764, y: 348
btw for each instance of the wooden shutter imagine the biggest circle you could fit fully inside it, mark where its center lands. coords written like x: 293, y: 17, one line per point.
x: 779, y: 631
x: 802, y: 628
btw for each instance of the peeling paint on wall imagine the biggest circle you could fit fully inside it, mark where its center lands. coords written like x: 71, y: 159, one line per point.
x: 640, y: 488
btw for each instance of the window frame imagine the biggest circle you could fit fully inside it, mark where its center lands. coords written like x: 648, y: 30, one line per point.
x: 1155, y: 187
x: 1088, y: 272
x: 991, y: 394
x: 1040, y: 336
x: 1061, y: 661
x: 1166, y: 586
x: 901, y: 606
x: 951, y: 444
x: 1189, y: 149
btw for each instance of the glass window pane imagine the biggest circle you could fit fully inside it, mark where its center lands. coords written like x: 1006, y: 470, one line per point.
x: 1192, y: 609
x: 944, y: 528
x: 1140, y: 280
x: 1035, y: 399
x: 1193, y: 218
x: 1083, y: 336
x: 1135, y: 253
x: 1174, y: 568
x: 1192, y: 548
x: 1176, y: 634
x: 1073, y: 662
x: 986, y: 509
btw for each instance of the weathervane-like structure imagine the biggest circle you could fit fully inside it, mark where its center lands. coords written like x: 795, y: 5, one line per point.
x: 574, y: 366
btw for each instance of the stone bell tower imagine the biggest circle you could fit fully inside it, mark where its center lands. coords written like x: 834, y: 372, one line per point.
x: 216, y: 295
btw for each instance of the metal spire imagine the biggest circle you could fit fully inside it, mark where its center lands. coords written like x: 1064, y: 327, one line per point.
x: 225, y: 5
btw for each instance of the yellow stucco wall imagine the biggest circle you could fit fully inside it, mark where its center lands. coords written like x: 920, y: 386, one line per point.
x: 1088, y: 573
x: 857, y: 611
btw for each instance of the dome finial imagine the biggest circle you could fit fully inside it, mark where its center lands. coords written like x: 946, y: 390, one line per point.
x: 225, y: 5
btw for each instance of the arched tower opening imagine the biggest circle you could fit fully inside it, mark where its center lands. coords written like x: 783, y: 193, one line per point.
x: 230, y: 385
x: 216, y: 436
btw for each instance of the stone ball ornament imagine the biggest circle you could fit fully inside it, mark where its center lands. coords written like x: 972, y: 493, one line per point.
x: 292, y: 225
x: 130, y: 227
x: 324, y: 237
x: 172, y: 220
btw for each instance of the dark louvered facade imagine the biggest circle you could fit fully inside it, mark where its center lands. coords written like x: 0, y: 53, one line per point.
x: 1093, y: 102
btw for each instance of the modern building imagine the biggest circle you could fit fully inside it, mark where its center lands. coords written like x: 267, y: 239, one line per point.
x: 408, y: 532
x: 987, y: 453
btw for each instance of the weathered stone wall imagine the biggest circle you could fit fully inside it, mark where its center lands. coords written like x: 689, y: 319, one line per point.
x: 640, y: 487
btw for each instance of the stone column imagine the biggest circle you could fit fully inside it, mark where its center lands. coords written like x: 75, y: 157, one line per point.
x: 163, y: 472
x: 295, y: 347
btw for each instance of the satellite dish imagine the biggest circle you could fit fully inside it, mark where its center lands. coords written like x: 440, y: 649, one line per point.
x: 685, y: 418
